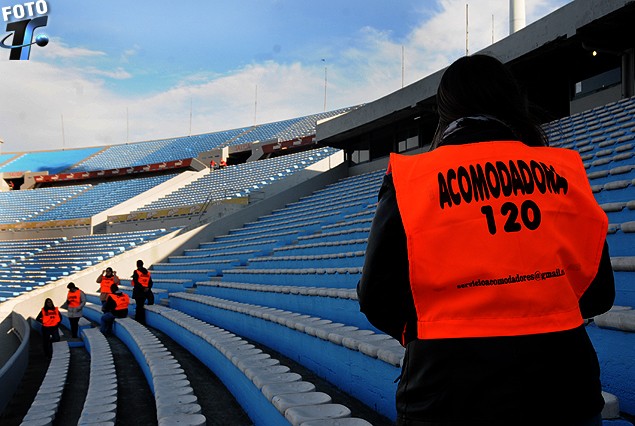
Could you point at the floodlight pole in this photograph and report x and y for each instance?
(467, 23)
(325, 80)
(63, 136)
(402, 64)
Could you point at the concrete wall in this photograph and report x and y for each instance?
(15, 338)
(588, 102)
(25, 234)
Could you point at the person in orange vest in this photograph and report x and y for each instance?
(142, 291)
(485, 255)
(50, 319)
(75, 301)
(223, 163)
(107, 278)
(116, 306)
(212, 165)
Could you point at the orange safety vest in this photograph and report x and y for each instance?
(503, 239)
(106, 283)
(121, 301)
(74, 299)
(51, 317)
(143, 279)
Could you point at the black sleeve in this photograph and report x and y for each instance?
(599, 297)
(384, 289)
(110, 305)
(39, 317)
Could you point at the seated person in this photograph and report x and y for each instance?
(116, 306)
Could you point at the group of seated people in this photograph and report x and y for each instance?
(215, 166)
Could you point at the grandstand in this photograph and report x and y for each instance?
(255, 265)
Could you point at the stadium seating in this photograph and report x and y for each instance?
(18, 206)
(51, 161)
(239, 180)
(6, 157)
(97, 198)
(152, 152)
(287, 280)
(163, 373)
(266, 389)
(48, 398)
(38, 262)
(100, 404)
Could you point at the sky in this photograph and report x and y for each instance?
(118, 71)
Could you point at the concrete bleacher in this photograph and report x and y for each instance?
(341, 354)
(267, 390)
(47, 401)
(175, 400)
(163, 373)
(100, 405)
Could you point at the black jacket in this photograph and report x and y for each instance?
(137, 289)
(498, 380)
(111, 306)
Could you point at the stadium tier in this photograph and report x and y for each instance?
(97, 198)
(239, 180)
(70, 202)
(158, 151)
(152, 152)
(19, 206)
(29, 264)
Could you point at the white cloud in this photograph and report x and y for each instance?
(118, 74)
(57, 49)
(371, 67)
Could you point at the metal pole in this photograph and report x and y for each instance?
(63, 136)
(256, 105)
(402, 64)
(325, 72)
(467, 25)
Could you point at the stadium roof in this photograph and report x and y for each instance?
(547, 57)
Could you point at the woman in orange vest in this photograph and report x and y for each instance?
(107, 278)
(142, 291)
(50, 319)
(484, 257)
(75, 301)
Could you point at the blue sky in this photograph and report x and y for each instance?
(117, 71)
